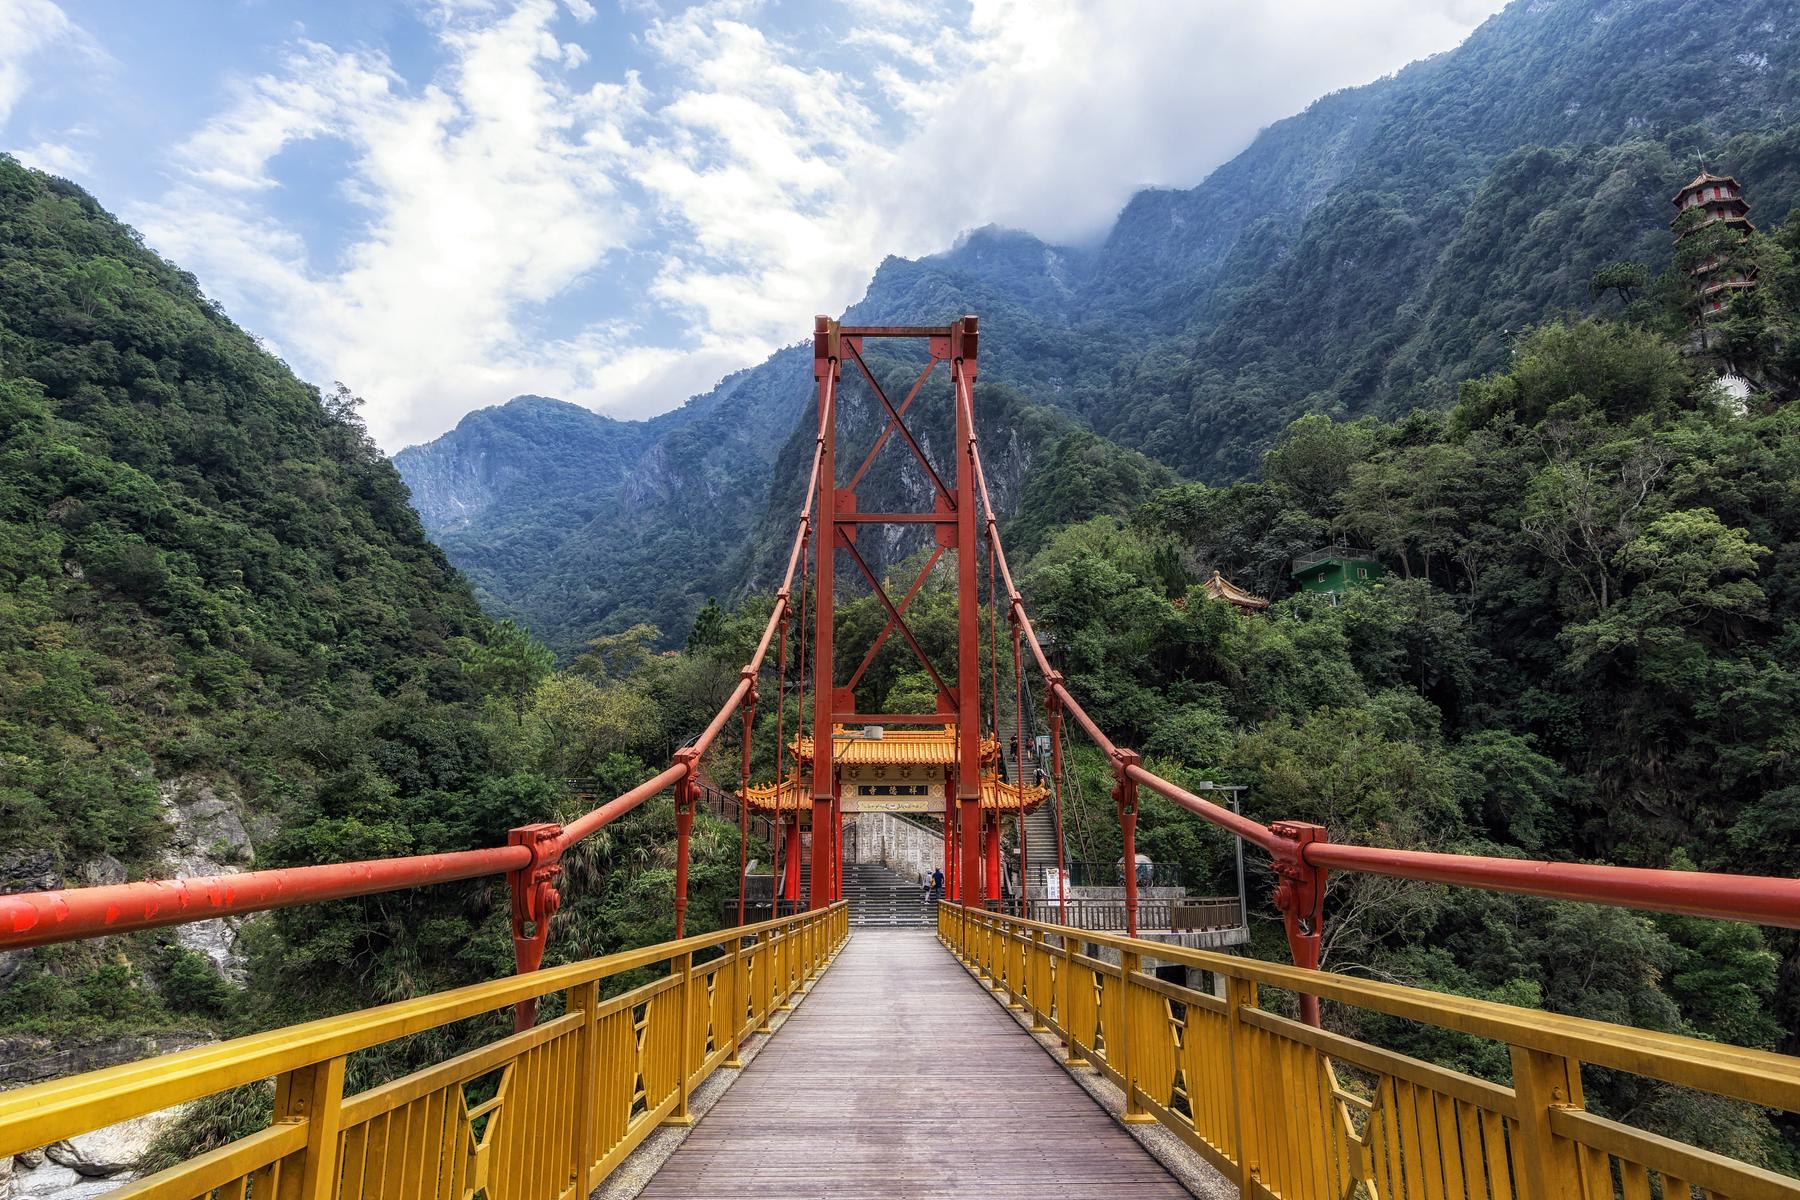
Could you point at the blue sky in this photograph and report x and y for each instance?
(445, 203)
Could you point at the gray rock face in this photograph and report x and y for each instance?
(26, 1060)
(92, 1164)
(29, 871)
(95, 872)
(207, 837)
(81, 1159)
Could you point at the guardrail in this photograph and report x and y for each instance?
(1092, 873)
(1185, 915)
(541, 1114)
(1291, 1111)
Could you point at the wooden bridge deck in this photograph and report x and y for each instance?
(899, 1077)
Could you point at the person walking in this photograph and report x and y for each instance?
(924, 887)
(937, 883)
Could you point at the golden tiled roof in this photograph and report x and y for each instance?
(1221, 588)
(794, 792)
(897, 747)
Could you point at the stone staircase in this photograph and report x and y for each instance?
(1040, 826)
(879, 895)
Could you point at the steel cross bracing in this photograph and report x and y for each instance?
(953, 520)
(828, 520)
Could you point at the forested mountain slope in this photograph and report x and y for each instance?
(1496, 179)
(226, 642)
(1361, 256)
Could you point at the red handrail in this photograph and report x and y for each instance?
(40, 918)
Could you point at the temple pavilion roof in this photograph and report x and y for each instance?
(1221, 588)
(1705, 179)
(926, 747)
(794, 793)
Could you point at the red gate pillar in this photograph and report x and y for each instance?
(837, 851)
(790, 888)
(949, 836)
(826, 369)
(963, 340)
(991, 844)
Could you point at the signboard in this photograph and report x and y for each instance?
(893, 804)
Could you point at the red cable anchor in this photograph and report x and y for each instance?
(1300, 897)
(534, 901)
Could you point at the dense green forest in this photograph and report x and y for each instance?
(1587, 646)
(225, 642)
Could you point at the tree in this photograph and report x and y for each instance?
(1313, 457)
(1623, 279)
(709, 627)
(618, 655)
(509, 664)
(1692, 582)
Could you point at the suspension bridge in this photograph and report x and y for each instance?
(983, 1059)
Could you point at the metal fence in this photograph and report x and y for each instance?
(1184, 915)
(1089, 873)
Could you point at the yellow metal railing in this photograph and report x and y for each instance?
(560, 1105)
(1287, 1110)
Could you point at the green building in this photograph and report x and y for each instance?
(1335, 569)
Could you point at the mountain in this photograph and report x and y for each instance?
(1363, 256)
(575, 523)
(225, 641)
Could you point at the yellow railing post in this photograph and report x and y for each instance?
(585, 999)
(778, 944)
(1129, 1053)
(1240, 994)
(733, 1027)
(313, 1095)
(1036, 973)
(1067, 1001)
(770, 991)
(684, 1056)
(1551, 1165)
(1015, 967)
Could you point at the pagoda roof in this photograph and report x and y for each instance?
(925, 747)
(1704, 179)
(1221, 588)
(1740, 216)
(792, 794)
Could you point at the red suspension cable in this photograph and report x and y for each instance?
(1019, 767)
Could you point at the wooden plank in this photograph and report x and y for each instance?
(900, 1077)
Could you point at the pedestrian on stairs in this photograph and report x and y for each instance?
(924, 886)
(937, 883)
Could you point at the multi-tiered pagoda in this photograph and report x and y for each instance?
(1722, 201)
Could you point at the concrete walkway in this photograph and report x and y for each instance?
(899, 1077)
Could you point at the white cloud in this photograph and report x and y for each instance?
(55, 158)
(761, 177)
(488, 191)
(27, 27)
